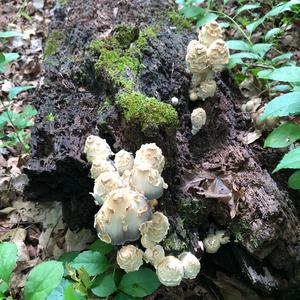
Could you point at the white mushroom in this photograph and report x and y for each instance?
(147, 243)
(121, 216)
(100, 167)
(196, 57)
(130, 258)
(104, 184)
(209, 33)
(150, 154)
(191, 265)
(207, 89)
(154, 255)
(170, 271)
(123, 161)
(198, 119)
(218, 54)
(211, 243)
(223, 238)
(96, 149)
(147, 181)
(156, 229)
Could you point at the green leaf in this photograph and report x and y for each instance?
(283, 136)
(71, 294)
(261, 49)
(285, 105)
(281, 88)
(252, 26)
(101, 247)
(104, 285)
(294, 181)
(139, 283)
(239, 45)
(247, 55)
(8, 259)
(286, 74)
(192, 11)
(42, 279)
(206, 18)
(3, 287)
(18, 89)
(8, 34)
(9, 57)
(69, 256)
(58, 292)
(247, 7)
(94, 262)
(2, 58)
(285, 56)
(122, 296)
(291, 160)
(272, 33)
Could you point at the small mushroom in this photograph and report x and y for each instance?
(196, 57)
(150, 154)
(207, 89)
(218, 54)
(154, 255)
(170, 271)
(123, 161)
(121, 216)
(96, 149)
(130, 258)
(213, 242)
(209, 33)
(191, 265)
(198, 119)
(100, 167)
(156, 229)
(147, 243)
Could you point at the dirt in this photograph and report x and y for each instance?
(202, 171)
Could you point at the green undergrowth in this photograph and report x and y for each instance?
(178, 20)
(120, 58)
(54, 41)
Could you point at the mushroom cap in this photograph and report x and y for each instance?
(123, 161)
(104, 184)
(156, 229)
(96, 149)
(121, 215)
(223, 238)
(191, 265)
(209, 33)
(130, 258)
(147, 181)
(100, 167)
(198, 119)
(154, 255)
(170, 271)
(196, 57)
(207, 89)
(211, 243)
(218, 53)
(150, 154)
(146, 243)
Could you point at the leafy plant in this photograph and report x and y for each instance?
(79, 276)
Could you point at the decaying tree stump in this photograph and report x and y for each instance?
(215, 180)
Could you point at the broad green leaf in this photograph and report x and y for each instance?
(94, 262)
(8, 34)
(192, 11)
(9, 57)
(247, 55)
(18, 89)
(252, 26)
(104, 285)
(291, 160)
(294, 181)
(206, 18)
(281, 88)
(122, 296)
(71, 294)
(2, 58)
(139, 283)
(69, 256)
(58, 292)
(283, 136)
(287, 74)
(285, 56)
(272, 33)
(43, 279)
(3, 287)
(101, 247)
(261, 48)
(8, 259)
(285, 105)
(247, 7)
(84, 278)
(239, 45)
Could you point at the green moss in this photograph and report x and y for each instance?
(148, 111)
(120, 54)
(191, 210)
(174, 244)
(179, 20)
(54, 41)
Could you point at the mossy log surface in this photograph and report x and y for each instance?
(215, 181)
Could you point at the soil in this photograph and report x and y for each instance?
(215, 180)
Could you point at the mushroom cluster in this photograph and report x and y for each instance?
(126, 189)
(204, 57)
(213, 241)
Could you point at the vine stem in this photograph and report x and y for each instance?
(235, 23)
